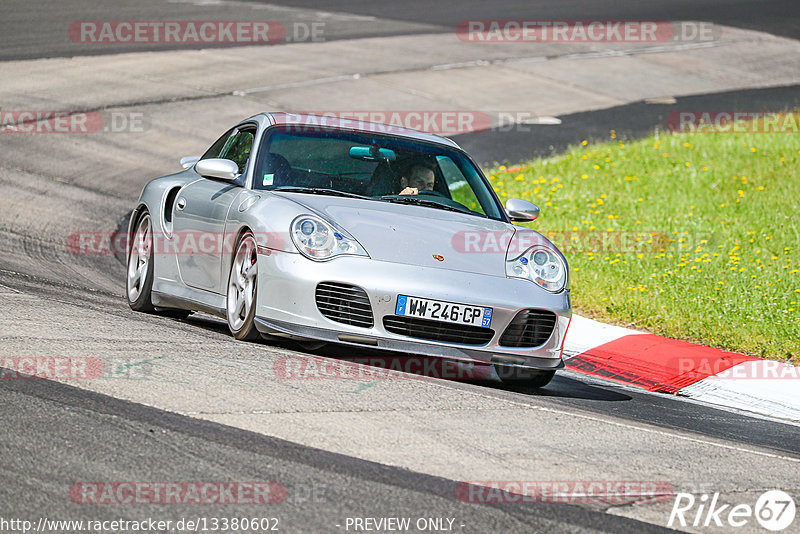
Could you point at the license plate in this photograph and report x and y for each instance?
(448, 312)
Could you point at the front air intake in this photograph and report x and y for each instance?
(530, 328)
(437, 331)
(344, 304)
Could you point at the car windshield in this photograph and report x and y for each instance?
(375, 167)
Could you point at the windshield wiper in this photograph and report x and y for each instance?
(409, 199)
(320, 191)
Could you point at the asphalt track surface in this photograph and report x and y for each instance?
(36, 29)
(630, 121)
(777, 17)
(56, 434)
(93, 435)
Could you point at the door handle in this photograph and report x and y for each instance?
(180, 204)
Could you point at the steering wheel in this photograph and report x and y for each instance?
(431, 193)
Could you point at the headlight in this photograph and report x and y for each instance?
(318, 240)
(541, 265)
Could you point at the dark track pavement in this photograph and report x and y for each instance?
(95, 438)
(38, 28)
(631, 121)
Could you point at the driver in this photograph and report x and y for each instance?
(417, 178)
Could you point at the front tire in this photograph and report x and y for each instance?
(520, 376)
(242, 290)
(139, 284)
(311, 345)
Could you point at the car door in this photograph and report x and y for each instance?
(201, 210)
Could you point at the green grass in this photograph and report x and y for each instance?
(691, 236)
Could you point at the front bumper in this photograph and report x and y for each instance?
(286, 306)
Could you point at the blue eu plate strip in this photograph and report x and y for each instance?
(401, 305)
(487, 317)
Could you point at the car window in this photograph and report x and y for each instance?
(329, 156)
(237, 148)
(378, 166)
(219, 144)
(460, 189)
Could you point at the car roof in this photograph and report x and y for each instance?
(354, 124)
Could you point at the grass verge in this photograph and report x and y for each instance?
(691, 236)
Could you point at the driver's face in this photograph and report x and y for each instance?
(422, 179)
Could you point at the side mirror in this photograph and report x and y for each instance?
(189, 161)
(219, 169)
(521, 210)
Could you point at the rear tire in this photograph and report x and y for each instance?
(517, 376)
(139, 283)
(240, 304)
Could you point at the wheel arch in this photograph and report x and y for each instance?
(134, 218)
(243, 229)
(136, 214)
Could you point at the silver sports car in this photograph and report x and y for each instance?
(332, 230)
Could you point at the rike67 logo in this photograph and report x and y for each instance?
(774, 510)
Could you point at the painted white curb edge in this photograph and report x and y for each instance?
(776, 396)
(585, 334)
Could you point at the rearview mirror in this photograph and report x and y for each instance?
(220, 169)
(372, 153)
(189, 161)
(521, 210)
